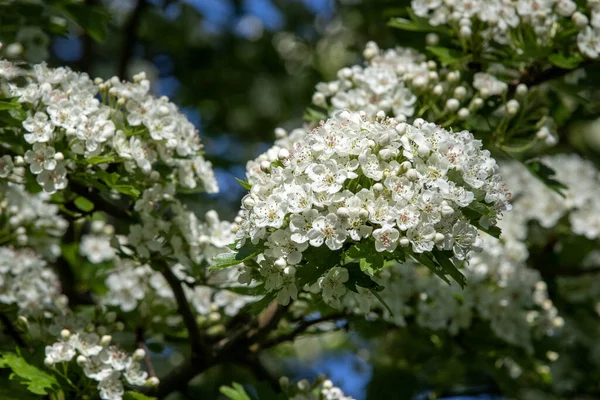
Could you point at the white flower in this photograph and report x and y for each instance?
(332, 286)
(588, 41)
(41, 158)
(484, 81)
(327, 229)
(39, 127)
(6, 166)
(386, 238)
(111, 387)
(53, 180)
(59, 352)
(96, 248)
(421, 237)
(134, 374)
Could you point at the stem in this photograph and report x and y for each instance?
(301, 328)
(141, 342)
(199, 350)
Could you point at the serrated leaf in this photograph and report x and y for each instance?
(36, 380)
(356, 277)
(447, 56)
(443, 259)
(127, 190)
(9, 105)
(545, 174)
(564, 62)
(244, 184)
(100, 160)
(428, 261)
(136, 396)
(83, 204)
(224, 260)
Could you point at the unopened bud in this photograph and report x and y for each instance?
(289, 271)
(465, 32)
(432, 39)
(265, 166)
(460, 92)
(579, 19)
(452, 104)
(404, 242)
(280, 263)
(439, 238)
(342, 212)
(318, 99)
(152, 381)
(438, 90)
(81, 360)
(65, 333)
(512, 107)
(105, 340)
(463, 113)
(521, 90)
(139, 354)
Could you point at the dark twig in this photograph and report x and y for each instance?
(199, 350)
(130, 36)
(568, 271)
(11, 331)
(141, 343)
(100, 202)
(301, 328)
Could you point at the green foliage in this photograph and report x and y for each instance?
(91, 18)
(84, 204)
(245, 253)
(448, 56)
(236, 392)
(244, 184)
(546, 175)
(36, 380)
(136, 396)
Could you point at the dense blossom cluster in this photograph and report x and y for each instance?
(136, 286)
(501, 290)
(73, 125)
(320, 389)
(100, 361)
(535, 201)
(27, 281)
(500, 18)
(404, 84)
(354, 177)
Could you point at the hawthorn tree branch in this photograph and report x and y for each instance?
(130, 36)
(300, 329)
(141, 342)
(199, 350)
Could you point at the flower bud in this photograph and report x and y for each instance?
(81, 360)
(303, 385)
(401, 128)
(290, 271)
(371, 50)
(404, 242)
(139, 354)
(460, 92)
(65, 333)
(280, 263)
(318, 99)
(121, 102)
(453, 76)
(521, 90)
(439, 238)
(432, 39)
(433, 76)
(431, 65)
(484, 92)
(105, 340)
(280, 133)
(542, 133)
(378, 187)
(452, 104)
(579, 19)
(265, 166)
(152, 381)
(512, 107)
(283, 154)
(447, 211)
(438, 90)
(463, 113)
(412, 174)
(380, 114)
(465, 32)
(14, 50)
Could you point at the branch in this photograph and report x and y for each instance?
(130, 36)
(12, 331)
(568, 271)
(141, 342)
(301, 328)
(199, 351)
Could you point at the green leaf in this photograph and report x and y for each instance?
(546, 175)
(314, 115)
(84, 204)
(224, 260)
(383, 303)
(258, 306)
(136, 396)
(428, 261)
(474, 212)
(110, 179)
(561, 61)
(244, 184)
(237, 392)
(92, 19)
(9, 105)
(128, 190)
(443, 258)
(101, 160)
(36, 380)
(356, 277)
(447, 56)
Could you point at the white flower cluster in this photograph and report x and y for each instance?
(354, 177)
(546, 18)
(501, 290)
(28, 282)
(321, 389)
(100, 361)
(96, 124)
(535, 201)
(390, 79)
(29, 220)
(137, 286)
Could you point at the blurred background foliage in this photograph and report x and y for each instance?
(239, 69)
